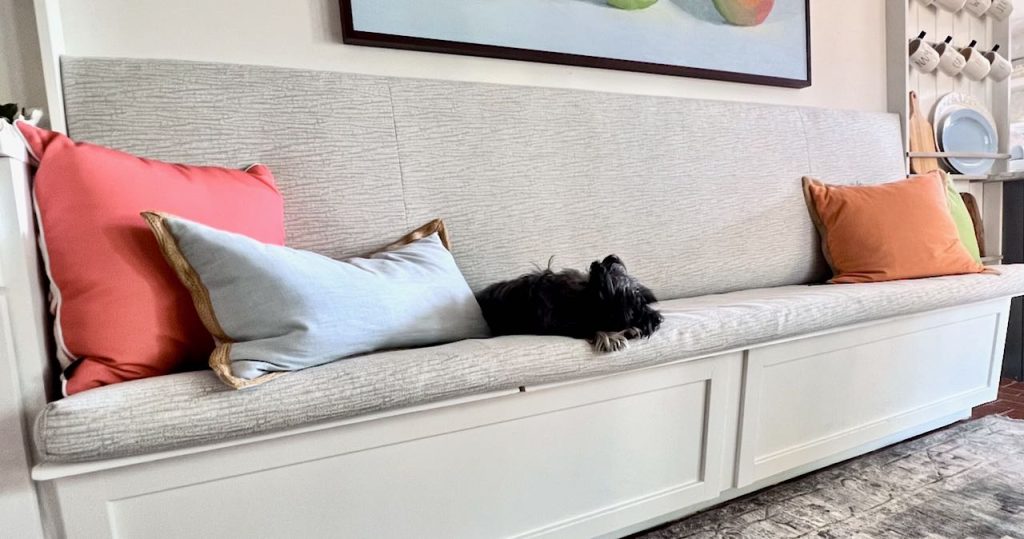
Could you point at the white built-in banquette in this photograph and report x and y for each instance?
(757, 375)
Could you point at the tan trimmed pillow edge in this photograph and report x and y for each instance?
(186, 273)
(219, 359)
(816, 219)
(434, 226)
(220, 363)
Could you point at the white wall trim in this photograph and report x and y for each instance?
(51, 47)
(23, 361)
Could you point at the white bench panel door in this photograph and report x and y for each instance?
(812, 398)
(603, 454)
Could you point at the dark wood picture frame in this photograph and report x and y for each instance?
(351, 36)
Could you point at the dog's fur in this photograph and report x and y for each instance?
(606, 306)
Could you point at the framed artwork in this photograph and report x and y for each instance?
(751, 41)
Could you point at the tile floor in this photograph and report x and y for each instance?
(1009, 403)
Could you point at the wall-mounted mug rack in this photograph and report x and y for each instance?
(951, 27)
(999, 10)
(970, 62)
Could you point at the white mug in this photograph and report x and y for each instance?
(951, 5)
(951, 62)
(977, 66)
(922, 55)
(978, 7)
(1001, 67)
(1001, 9)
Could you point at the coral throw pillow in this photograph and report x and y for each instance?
(898, 230)
(120, 311)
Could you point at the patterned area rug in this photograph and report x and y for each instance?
(964, 481)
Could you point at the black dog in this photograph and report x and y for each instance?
(607, 307)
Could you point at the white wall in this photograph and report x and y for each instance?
(21, 74)
(1017, 30)
(848, 47)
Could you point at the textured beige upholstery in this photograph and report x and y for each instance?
(698, 197)
(194, 408)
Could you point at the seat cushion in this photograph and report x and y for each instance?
(194, 408)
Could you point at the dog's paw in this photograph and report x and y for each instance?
(633, 333)
(610, 342)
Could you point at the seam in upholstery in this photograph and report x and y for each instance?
(807, 142)
(40, 430)
(398, 155)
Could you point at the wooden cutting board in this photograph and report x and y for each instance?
(979, 227)
(922, 138)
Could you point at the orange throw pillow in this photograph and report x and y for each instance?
(898, 230)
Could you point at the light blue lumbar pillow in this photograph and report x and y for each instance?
(275, 309)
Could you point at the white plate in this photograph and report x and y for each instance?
(967, 130)
(951, 103)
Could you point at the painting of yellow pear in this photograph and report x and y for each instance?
(754, 41)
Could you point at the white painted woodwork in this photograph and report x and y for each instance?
(798, 471)
(50, 27)
(596, 457)
(520, 464)
(22, 345)
(866, 383)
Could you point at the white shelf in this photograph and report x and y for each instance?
(1006, 177)
(1002, 177)
(964, 155)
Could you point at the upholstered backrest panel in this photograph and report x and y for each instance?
(329, 138)
(696, 196)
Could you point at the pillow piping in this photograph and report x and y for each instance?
(64, 356)
(220, 358)
(435, 226)
(816, 219)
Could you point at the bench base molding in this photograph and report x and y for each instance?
(598, 457)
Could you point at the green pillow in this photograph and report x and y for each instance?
(962, 218)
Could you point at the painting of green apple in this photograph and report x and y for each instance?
(751, 41)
